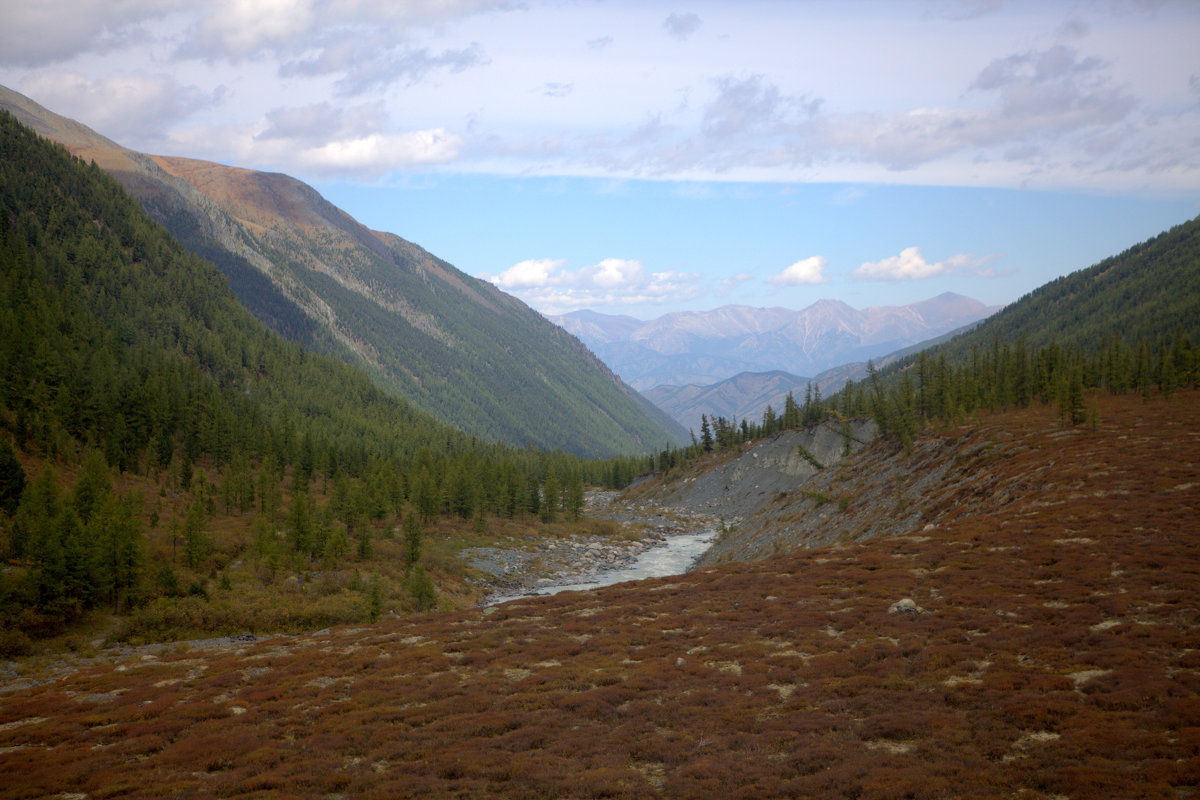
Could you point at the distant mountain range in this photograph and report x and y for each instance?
(748, 394)
(456, 346)
(706, 347)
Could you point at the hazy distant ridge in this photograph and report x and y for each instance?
(706, 347)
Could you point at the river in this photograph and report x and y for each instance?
(673, 556)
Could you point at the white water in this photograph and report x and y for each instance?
(672, 557)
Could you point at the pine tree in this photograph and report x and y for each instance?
(412, 541)
(552, 499)
(420, 587)
(195, 538)
(791, 413)
(12, 478)
(115, 528)
(38, 508)
(92, 486)
(575, 494)
(1071, 403)
(425, 494)
(374, 597)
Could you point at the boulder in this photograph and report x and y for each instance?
(905, 606)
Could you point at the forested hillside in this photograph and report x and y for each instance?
(1150, 291)
(1128, 324)
(455, 346)
(125, 358)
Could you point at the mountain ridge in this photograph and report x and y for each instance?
(747, 395)
(454, 345)
(706, 347)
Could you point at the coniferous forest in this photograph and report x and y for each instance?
(126, 360)
(162, 453)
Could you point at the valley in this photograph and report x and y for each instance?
(1048, 649)
(290, 507)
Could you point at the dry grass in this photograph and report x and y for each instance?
(1059, 656)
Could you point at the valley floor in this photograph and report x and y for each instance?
(1049, 648)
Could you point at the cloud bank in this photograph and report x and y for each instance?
(546, 284)
(1029, 95)
(806, 272)
(911, 265)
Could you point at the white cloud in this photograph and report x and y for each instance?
(45, 31)
(119, 106)
(614, 272)
(379, 152)
(413, 13)
(547, 286)
(354, 140)
(529, 274)
(681, 26)
(807, 271)
(240, 28)
(741, 105)
(329, 33)
(911, 265)
(1098, 99)
(732, 282)
(556, 89)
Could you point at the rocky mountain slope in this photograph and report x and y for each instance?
(705, 347)
(1035, 636)
(456, 346)
(745, 395)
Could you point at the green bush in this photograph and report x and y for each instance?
(14, 644)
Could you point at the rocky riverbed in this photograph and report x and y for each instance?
(579, 560)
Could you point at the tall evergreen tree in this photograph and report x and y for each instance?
(12, 478)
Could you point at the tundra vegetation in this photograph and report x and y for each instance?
(1050, 650)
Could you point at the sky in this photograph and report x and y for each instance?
(642, 157)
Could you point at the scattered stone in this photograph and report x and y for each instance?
(905, 606)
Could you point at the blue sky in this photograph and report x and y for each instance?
(648, 157)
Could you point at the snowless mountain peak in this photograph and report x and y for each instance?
(705, 347)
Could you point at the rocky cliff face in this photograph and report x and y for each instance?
(737, 487)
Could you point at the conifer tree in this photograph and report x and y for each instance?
(118, 534)
(92, 486)
(195, 538)
(575, 494)
(412, 541)
(374, 597)
(420, 587)
(39, 506)
(553, 498)
(12, 478)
